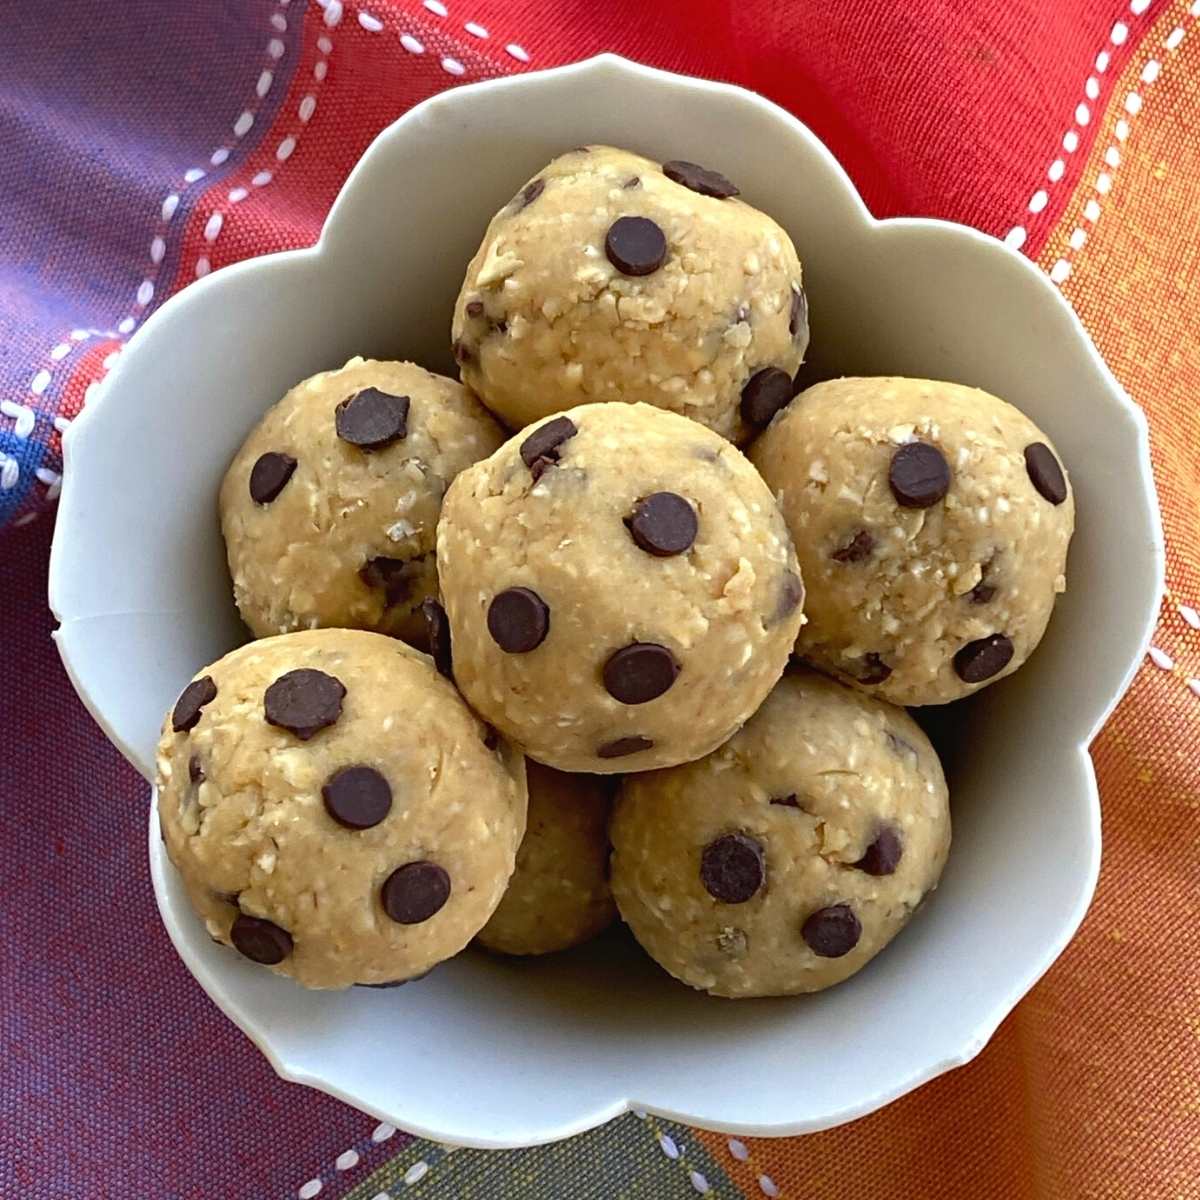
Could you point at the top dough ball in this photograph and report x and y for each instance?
(610, 277)
(931, 522)
(620, 586)
(329, 509)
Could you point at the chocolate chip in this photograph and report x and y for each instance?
(635, 246)
(622, 747)
(833, 931)
(765, 393)
(372, 419)
(500, 326)
(195, 769)
(357, 797)
(462, 352)
(632, 182)
(269, 476)
(393, 575)
(304, 702)
(899, 745)
(981, 593)
(788, 801)
(919, 475)
(260, 941)
(981, 659)
(882, 856)
(873, 669)
(191, 700)
(640, 672)
(857, 549)
(732, 868)
(791, 595)
(1045, 473)
(542, 448)
(491, 739)
(437, 624)
(474, 309)
(699, 179)
(518, 620)
(663, 524)
(531, 191)
(415, 891)
(580, 150)
(798, 314)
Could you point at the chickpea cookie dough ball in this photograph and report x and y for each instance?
(786, 860)
(330, 507)
(931, 521)
(559, 894)
(610, 277)
(336, 811)
(621, 589)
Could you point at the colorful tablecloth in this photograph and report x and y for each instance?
(143, 144)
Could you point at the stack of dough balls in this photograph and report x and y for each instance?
(545, 646)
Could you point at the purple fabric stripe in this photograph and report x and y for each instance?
(75, 166)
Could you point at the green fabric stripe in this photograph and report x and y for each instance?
(623, 1160)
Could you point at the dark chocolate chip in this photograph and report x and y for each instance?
(304, 702)
(195, 769)
(1045, 473)
(873, 669)
(500, 326)
(622, 747)
(798, 313)
(191, 700)
(415, 891)
(640, 672)
(392, 575)
(699, 179)
(663, 524)
(857, 549)
(833, 931)
(372, 419)
(765, 393)
(531, 191)
(882, 856)
(491, 739)
(732, 868)
(462, 352)
(581, 150)
(791, 595)
(543, 447)
(788, 801)
(437, 624)
(518, 620)
(357, 797)
(632, 182)
(474, 309)
(635, 246)
(981, 659)
(260, 941)
(269, 476)
(919, 475)
(982, 592)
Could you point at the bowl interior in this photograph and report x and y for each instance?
(490, 1052)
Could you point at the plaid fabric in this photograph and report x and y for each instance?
(143, 144)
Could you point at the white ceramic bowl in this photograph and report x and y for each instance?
(492, 1053)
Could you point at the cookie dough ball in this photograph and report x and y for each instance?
(610, 277)
(559, 894)
(788, 859)
(932, 523)
(330, 507)
(621, 589)
(334, 807)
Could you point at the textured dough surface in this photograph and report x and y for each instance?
(559, 894)
(728, 609)
(854, 765)
(296, 561)
(254, 837)
(987, 559)
(558, 325)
